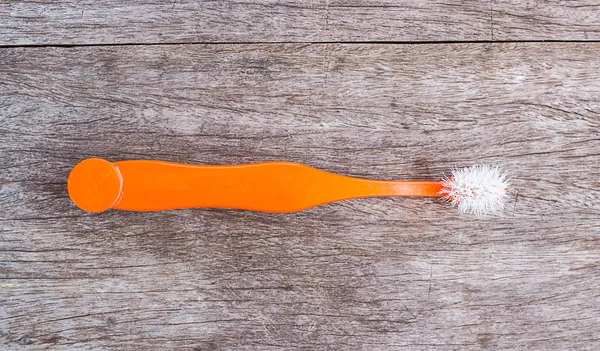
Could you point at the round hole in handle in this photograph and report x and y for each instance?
(95, 185)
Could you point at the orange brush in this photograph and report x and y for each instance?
(96, 185)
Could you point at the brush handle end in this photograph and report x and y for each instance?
(95, 185)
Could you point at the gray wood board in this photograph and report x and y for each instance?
(187, 21)
(113, 21)
(546, 20)
(370, 274)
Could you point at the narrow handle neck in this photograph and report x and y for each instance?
(399, 188)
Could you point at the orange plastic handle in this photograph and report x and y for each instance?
(96, 185)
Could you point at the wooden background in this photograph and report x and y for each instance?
(379, 89)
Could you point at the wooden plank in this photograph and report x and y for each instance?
(546, 20)
(187, 21)
(366, 274)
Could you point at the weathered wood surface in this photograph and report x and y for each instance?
(372, 274)
(186, 21)
(545, 20)
(113, 21)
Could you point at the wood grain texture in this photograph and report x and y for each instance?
(372, 274)
(546, 20)
(187, 21)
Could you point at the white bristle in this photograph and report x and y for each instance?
(478, 189)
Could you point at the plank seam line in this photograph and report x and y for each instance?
(375, 42)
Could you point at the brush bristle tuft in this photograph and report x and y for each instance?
(478, 190)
